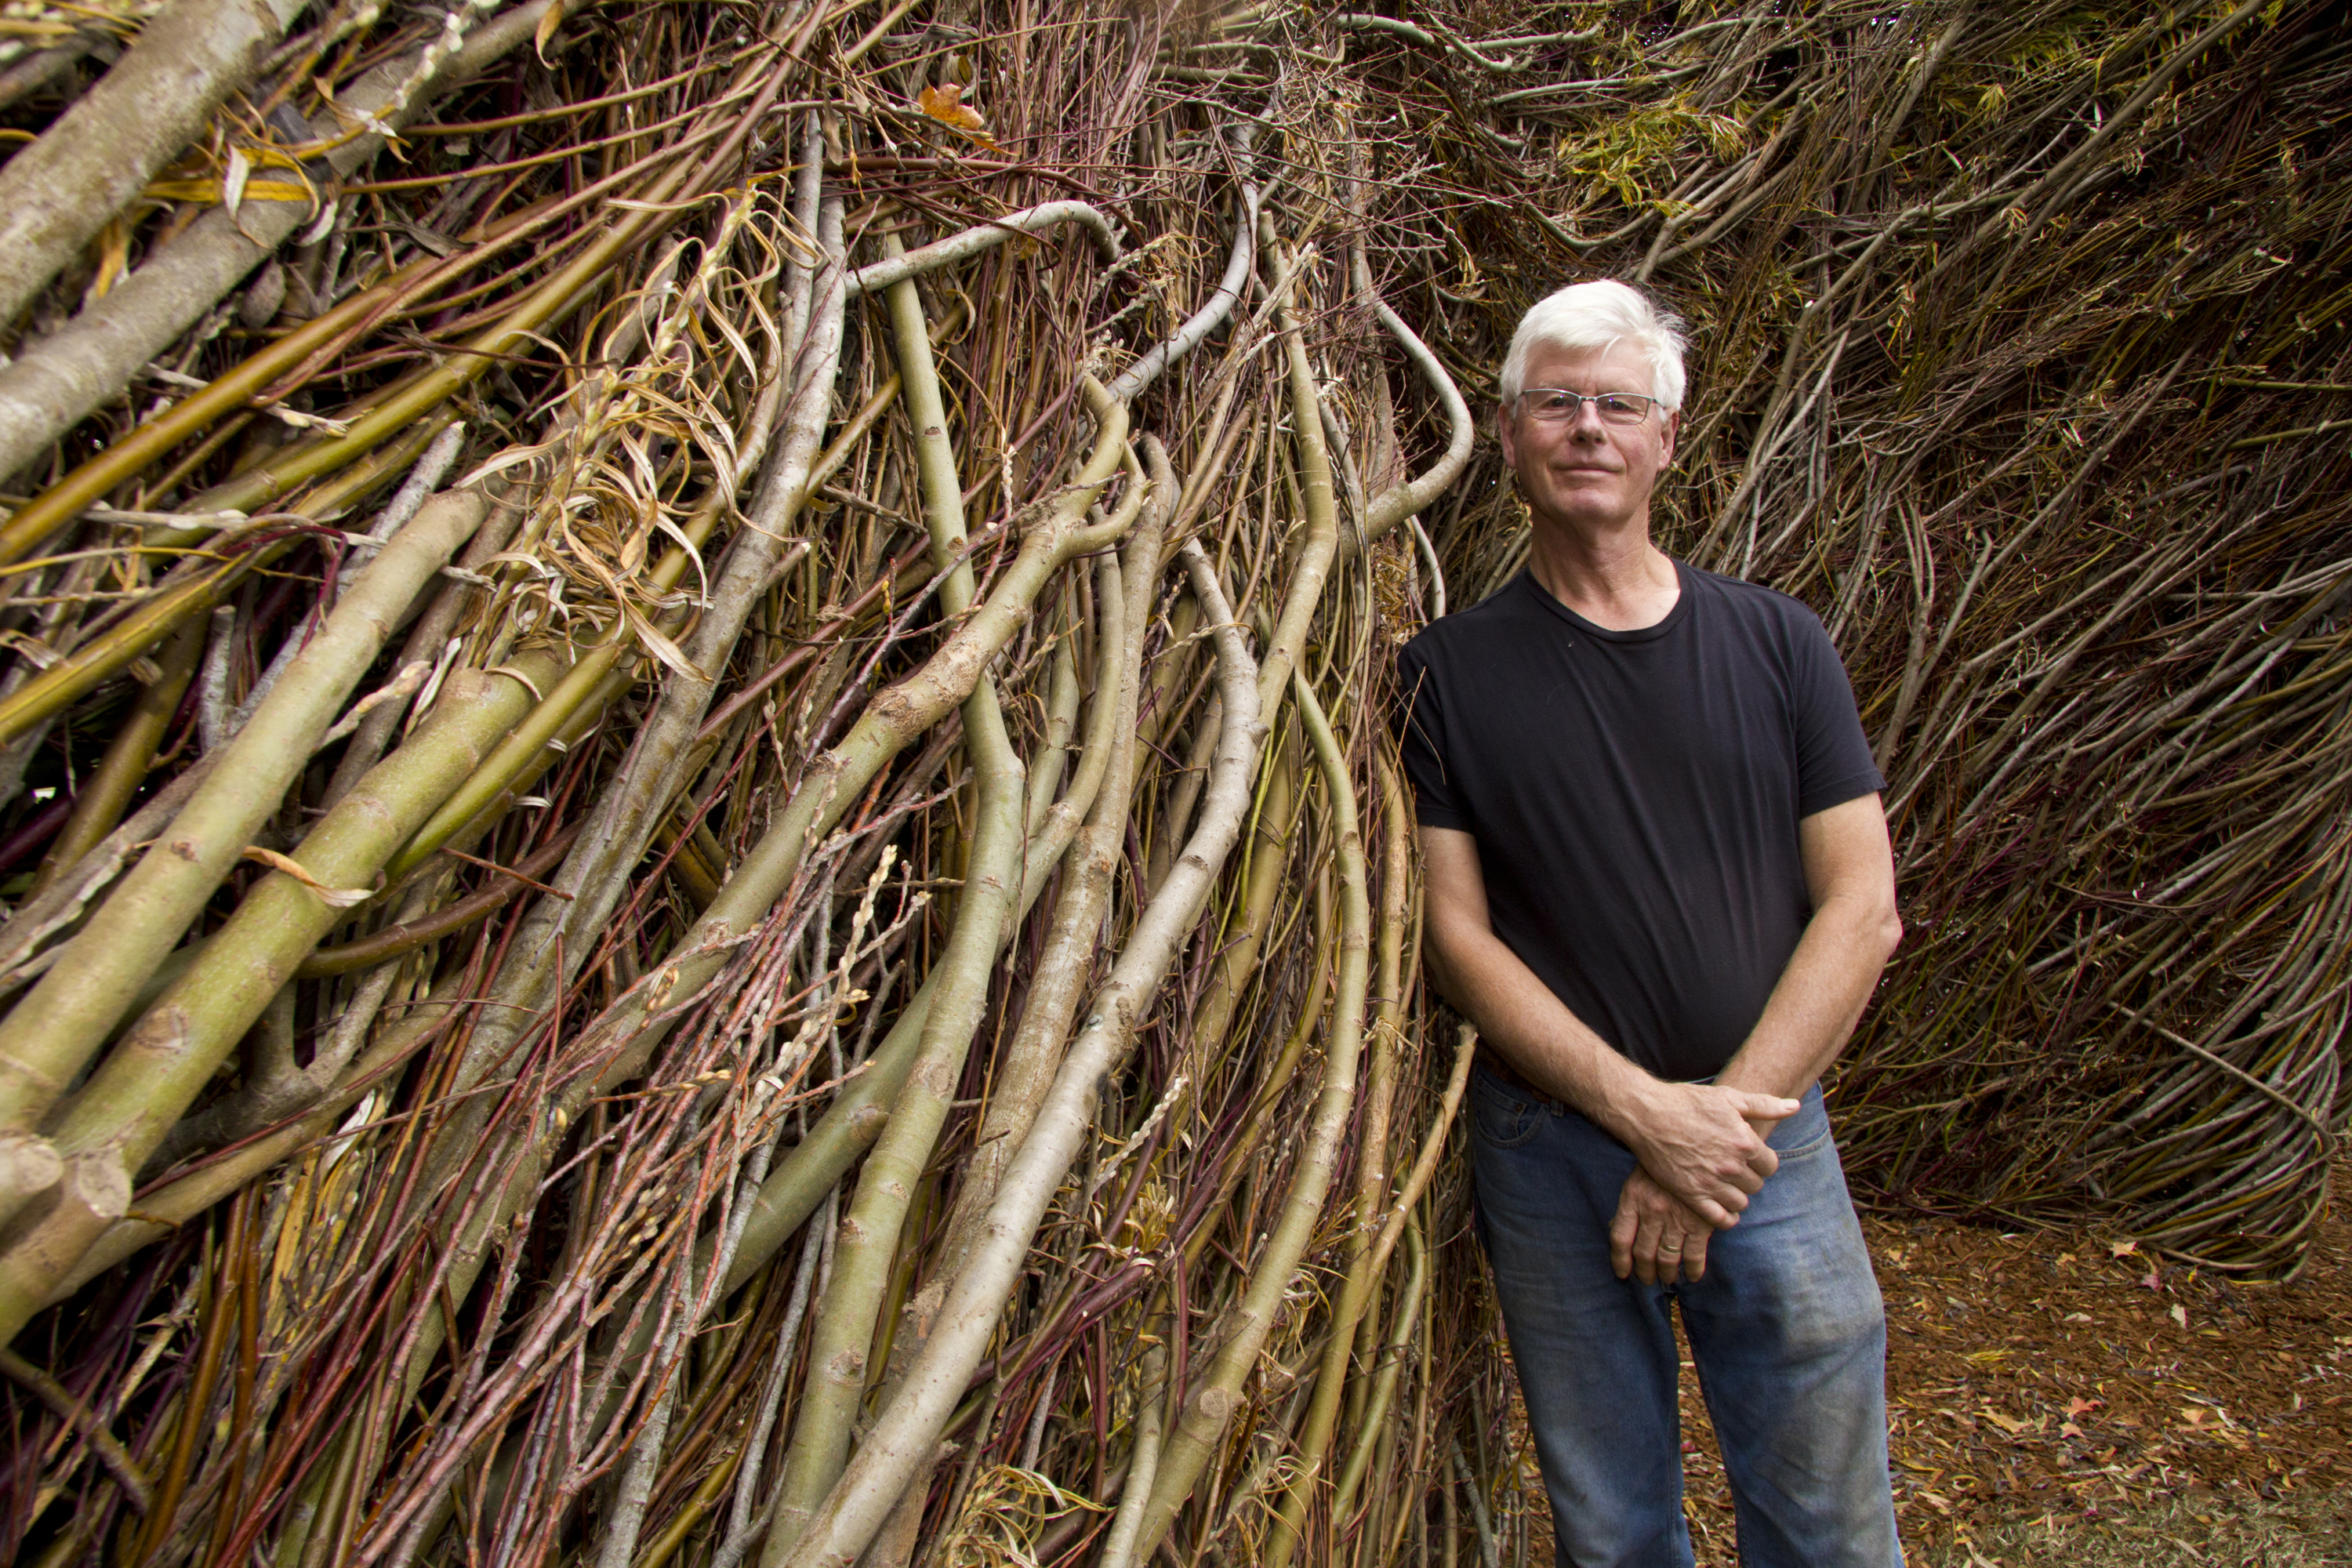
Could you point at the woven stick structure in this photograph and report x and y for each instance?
(702, 854)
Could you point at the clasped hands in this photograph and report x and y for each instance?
(1702, 1154)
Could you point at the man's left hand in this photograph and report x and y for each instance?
(1654, 1237)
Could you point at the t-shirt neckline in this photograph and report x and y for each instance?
(1671, 619)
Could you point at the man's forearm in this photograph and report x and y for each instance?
(1699, 1141)
(1518, 1015)
(1703, 1142)
(1818, 999)
(1827, 982)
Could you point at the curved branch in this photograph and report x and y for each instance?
(1199, 1431)
(856, 1118)
(836, 1381)
(985, 238)
(907, 1431)
(1408, 498)
(1208, 317)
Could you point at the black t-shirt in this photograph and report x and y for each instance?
(1635, 797)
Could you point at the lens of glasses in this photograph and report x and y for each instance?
(1614, 407)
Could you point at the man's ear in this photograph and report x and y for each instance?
(1673, 427)
(1509, 436)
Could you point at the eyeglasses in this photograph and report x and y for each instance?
(1554, 404)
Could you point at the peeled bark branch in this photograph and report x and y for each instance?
(52, 1034)
(974, 242)
(56, 195)
(56, 383)
(1201, 1429)
(907, 1431)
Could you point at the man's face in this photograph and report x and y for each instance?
(1584, 473)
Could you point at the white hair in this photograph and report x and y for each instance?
(1592, 318)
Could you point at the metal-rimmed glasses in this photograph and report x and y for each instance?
(1555, 404)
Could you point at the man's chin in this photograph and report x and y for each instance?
(1588, 509)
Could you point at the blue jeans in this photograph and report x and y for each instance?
(1786, 1330)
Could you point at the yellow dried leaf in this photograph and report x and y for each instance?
(550, 19)
(945, 103)
(207, 192)
(114, 259)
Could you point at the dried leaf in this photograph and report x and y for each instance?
(406, 684)
(437, 243)
(661, 646)
(334, 898)
(114, 259)
(240, 169)
(319, 226)
(945, 104)
(207, 192)
(550, 19)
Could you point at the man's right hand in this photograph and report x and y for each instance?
(1703, 1144)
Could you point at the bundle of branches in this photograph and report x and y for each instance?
(2021, 356)
(706, 860)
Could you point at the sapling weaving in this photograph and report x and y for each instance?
(817, 961)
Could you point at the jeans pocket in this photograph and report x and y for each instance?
(1805, 1134)
(1811, 1147)
(1503, 1118)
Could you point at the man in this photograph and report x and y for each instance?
(1659, 883)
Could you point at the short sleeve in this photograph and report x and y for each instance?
(1421, 737)
(1834, 761)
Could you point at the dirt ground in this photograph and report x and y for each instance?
(2063, 1397)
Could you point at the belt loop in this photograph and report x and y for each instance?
(1494, 1062)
